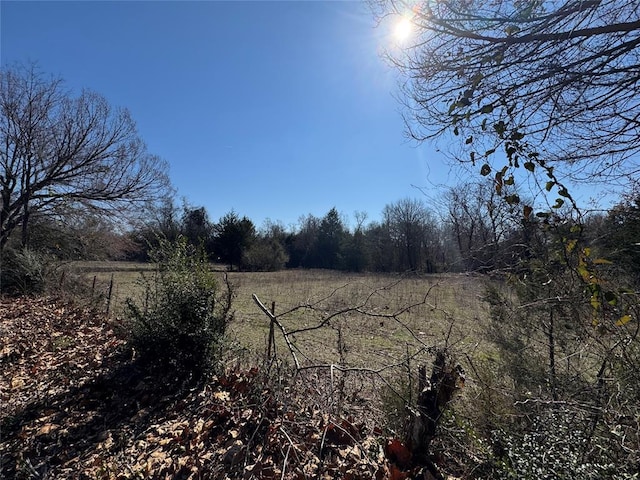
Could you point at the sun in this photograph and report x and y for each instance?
(403, 29)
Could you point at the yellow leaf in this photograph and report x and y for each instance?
(623, 320)
(584, 273)
(602, 261)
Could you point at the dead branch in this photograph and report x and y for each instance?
(275, 321)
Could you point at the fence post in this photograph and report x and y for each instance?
(109, 294)
(271, 347)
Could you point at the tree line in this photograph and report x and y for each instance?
(469, 229)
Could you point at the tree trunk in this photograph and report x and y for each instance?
(434, 395)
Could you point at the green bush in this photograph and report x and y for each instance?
(23, 271)
(265, 256)
(180, 322)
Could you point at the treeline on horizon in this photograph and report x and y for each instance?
(472, 231)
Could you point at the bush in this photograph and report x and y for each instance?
(180, 325)
(556, 446)
(265, 256)
(24, 271)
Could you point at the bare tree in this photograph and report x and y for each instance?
(413, 232)
(480, 223)
(59, 153)
(549, 83)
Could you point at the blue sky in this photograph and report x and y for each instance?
(273, 109)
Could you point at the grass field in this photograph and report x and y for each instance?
(360, 320)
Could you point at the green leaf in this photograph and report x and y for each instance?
(489, 152)
(456, 131)
(563, 192)
(549, 186)
(485, 170)
(487, 109)
(512, 199)
(530, 166)
(468, 140)
(559, 203)
(510, 180)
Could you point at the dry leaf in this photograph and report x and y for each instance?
(47, 429)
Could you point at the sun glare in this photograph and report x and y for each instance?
(403, 29)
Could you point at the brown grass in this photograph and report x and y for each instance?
(361, 320)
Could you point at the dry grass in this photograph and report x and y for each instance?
(360, 320)
(373, 326)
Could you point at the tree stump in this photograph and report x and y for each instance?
(435, 394)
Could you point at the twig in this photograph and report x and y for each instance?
(324, 435)
(246, 457)
(284, 464)
(275, 320)
(286, 456)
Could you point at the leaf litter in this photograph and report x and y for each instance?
(75, 405)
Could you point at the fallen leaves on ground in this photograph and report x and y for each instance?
(74, 405)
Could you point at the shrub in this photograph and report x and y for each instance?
(180, 324)
(24, 271)
(556, 446)
(265, 255)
